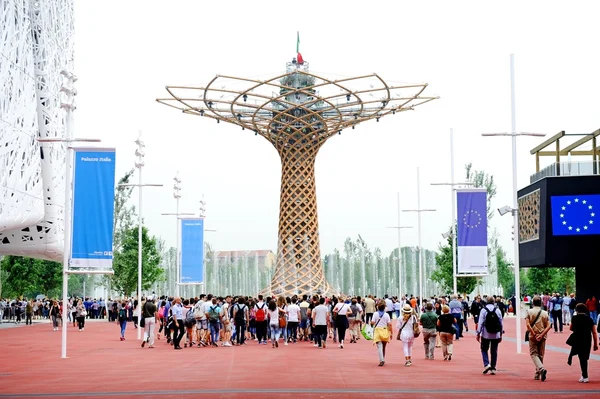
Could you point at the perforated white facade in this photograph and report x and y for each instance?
(36, 44)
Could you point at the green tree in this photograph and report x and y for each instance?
(125, 262)
(27, 276)
(541, 279)
(443, 274)
(124, 214)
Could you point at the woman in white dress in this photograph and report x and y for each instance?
(405, 327)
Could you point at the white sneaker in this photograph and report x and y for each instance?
(584, 380)
(286, 344)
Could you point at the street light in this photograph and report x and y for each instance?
(513, 134)
(69, 106)
(177, 196)
(399, 227)
(419, 211)
(139, 152)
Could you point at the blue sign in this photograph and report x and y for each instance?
(471, 227)
(575, 215)
(192, 251)
(93, 208)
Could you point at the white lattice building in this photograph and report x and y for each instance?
(36, 44)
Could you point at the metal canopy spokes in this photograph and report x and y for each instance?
(296, 98)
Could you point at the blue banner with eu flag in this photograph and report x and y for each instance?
(93, 207)
(575, 215)
(471, 227)
(192, 250)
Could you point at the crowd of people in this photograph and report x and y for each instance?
(211, 321)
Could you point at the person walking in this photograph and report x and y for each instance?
(240, 315)
(592, 307)
(537, 323)
(341, 311)
(55, 315)
(382, 331)
(80, 313)
(446, 328)
(179, 327)
(369, 308)
(320, 320)
(489, 334)
(456, 308)
(122, 319)
(556, 303)
(580, 341)
(261, 321)
(429, 322)
(273, 315)
(149, 314)
(405, 326)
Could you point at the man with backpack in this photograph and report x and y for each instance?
(240, 315)
(214, 321)
(304, 322)
(489, 334)
(261, 321)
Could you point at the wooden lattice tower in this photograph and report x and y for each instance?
(297, 112)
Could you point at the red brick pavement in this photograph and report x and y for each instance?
(101, 365)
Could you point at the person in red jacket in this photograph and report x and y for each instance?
(592, 306)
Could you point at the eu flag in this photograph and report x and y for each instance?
(472, 218)
(575, 215)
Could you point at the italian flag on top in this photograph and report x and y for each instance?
(300, 59)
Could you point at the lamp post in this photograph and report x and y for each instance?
(452, 184)
(419, 211)
(139, 152)
(177, 214)
(399, 227)
(202, 214)
(69, 106)
(513, 134)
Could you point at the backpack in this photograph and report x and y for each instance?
(213, 314)
(260, 313)
(303, 313)
(492, 322)
(122, 315)
(354, 310)
(239, 314)
(198, 311)
(190, 320)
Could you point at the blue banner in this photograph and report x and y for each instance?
(575, 215)
(93, 208)
(472, 230)
(192, 250)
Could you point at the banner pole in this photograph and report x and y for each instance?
(67, 247)
(515, 203)
(68, 106)
(140, 247)
(454, 269)
(419, 233)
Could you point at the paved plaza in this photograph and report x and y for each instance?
(99, 365)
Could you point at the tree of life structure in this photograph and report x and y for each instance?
(297, 112)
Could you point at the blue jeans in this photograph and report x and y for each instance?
(275, 332)
(123, 327)
(397, 313)
(492, 346)
(458, 324)
(214, 332)
(594, 316)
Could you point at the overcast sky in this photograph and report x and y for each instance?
(128, 51)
